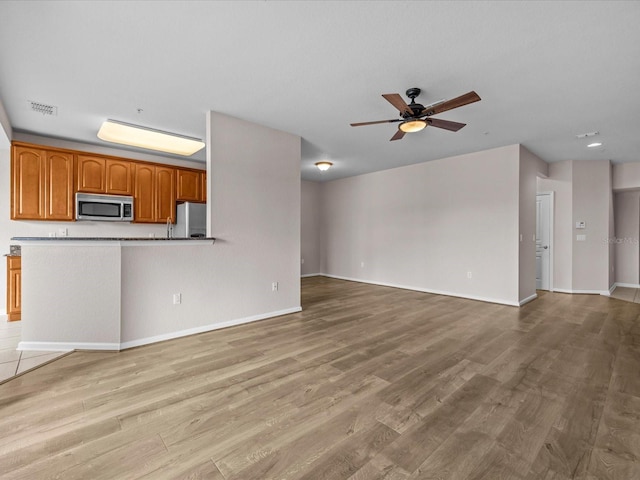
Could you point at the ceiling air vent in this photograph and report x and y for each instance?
(43, 108)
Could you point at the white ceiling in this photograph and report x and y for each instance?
(546, 72)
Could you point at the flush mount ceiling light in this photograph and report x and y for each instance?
(411, 126)
(324, 166)
(143, 137)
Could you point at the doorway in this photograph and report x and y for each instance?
(544, 240)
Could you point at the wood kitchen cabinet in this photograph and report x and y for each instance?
(44, 181)
(154, 194)
(41, 184)
(203, 186)
(14, 283)
(105, 175)
(190, 185)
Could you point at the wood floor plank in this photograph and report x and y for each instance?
(366, 383)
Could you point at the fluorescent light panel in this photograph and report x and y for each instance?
(142, 137)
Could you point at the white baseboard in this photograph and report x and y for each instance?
(428, 290)
(625, 285)
(583, 292)
(205, 328)
(529, 299)
(67, 346)
(310, 275)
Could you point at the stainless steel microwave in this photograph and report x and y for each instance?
(110, 208)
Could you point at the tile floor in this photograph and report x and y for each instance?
(14, 362)
(628, 294)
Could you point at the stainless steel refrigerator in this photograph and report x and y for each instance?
(191, 220)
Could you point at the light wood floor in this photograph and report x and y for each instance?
(366, 383)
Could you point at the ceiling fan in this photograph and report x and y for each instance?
(415, 117)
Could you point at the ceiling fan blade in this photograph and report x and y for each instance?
(465, 99)
(446, 124)
(373, 123)
(398, 136)
(397, 101)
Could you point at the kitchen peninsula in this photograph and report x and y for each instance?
(94, 293)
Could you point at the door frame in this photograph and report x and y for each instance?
(551, 234)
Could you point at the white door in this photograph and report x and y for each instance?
(543, 241)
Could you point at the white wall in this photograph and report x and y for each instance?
(591, 204)
(71, 295)
(425, 226)
(583, 192)
(627, 234)
(6, 132)
(310, 207)
(254, 207)
(560, 181)
(531, 167)
(626, 176)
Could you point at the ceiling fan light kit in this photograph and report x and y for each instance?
(415, 117)
(411, 126)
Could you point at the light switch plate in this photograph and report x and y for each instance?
(581, 225)
(581, 238)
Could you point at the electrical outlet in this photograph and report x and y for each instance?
(469, 275)
(63, 232)
(177, 298)
(274, 287)
(361, 264)
(302, 261)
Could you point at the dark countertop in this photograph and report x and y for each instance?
(110, 239)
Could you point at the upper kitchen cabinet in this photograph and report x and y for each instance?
(105, 175)
(41, 184)
(154, 193)
(189, 185)
(203, 186)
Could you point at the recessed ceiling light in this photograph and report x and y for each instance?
(594, 144)
(143, 137)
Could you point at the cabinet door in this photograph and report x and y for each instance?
(59, 187)
(14, 283)
(144, 210)
(91, 174)
(203, 186)
(189, 185)
(28, 184)
(119, 177)
(165, 194)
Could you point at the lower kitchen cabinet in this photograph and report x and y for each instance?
(14, 282)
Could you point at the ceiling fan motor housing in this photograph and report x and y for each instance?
(416, 108)
(413, 93)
